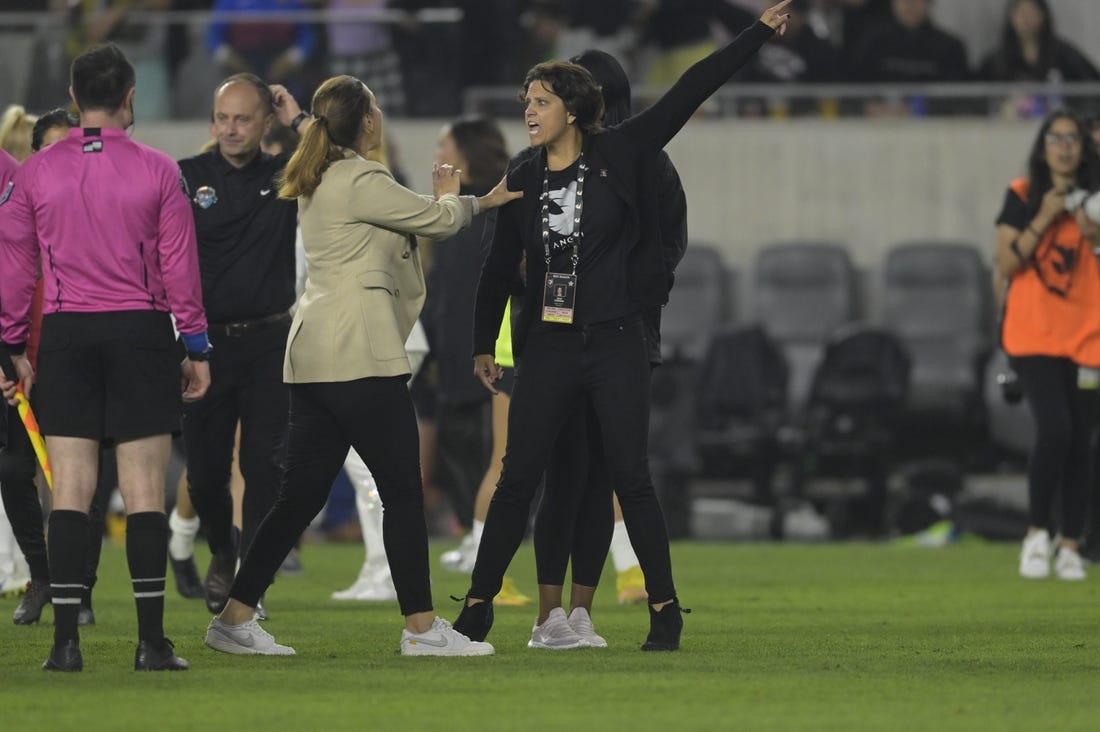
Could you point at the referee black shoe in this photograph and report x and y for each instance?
(152, 656)
(475, 621)
(186, 575)
(219, 575)
(30, 607)
(65, 657)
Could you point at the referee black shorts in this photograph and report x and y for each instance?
(111, 376)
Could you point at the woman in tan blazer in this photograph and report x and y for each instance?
(346, 363)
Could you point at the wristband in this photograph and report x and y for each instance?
(299, 119)
(195, 342)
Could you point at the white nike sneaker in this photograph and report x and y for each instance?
(442, 640)
(246, 639)
(461, 559)
(581, 623)
(555, 634)
(1069, 565)
(1035, 556)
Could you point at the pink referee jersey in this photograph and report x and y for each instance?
(114, 229)
(8, 166)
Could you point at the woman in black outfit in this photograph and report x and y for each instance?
(576, 516)
(590, 277)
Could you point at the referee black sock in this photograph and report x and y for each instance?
(67, 541)
(147, 555)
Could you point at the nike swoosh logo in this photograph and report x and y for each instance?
(438, 642)
(244, 639)
(265, 191)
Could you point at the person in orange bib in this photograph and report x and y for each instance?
(1051, 332)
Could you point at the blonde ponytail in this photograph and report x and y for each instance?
(339, 106)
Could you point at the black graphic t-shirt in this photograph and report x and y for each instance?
(602, 248)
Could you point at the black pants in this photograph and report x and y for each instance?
(609, 364)
(465, 443)
(376, 417)
(246, 374)
(576, 516)
(1061, 461)
(18, 466)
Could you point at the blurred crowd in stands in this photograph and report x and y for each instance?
(421, 56)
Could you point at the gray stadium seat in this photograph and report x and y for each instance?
(801, 292)
(698, 304)
(937, 299)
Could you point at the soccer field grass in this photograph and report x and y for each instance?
(832, 637)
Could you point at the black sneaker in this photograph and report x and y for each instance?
(187, 578)
(475, 621)
(665, 627)
(151, 656)
(30, 607)
(219, 576)
(65, 657)
(86, 616)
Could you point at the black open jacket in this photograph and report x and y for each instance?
(628, 152)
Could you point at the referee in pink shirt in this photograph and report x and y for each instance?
(117, 241)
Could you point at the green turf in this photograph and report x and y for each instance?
(836, 637)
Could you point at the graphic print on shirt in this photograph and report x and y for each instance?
(561, 207)
(7, 192)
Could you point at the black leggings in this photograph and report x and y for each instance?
(610, 365)
(576, 516)
(1061, 461)
(375, 416)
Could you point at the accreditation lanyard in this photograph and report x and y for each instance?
(560, 289)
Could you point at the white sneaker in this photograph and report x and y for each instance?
(581, 623)
(246, 639)
(461, 559)
(1035, 556)
(1069, 566)
(442, 640)
(555, 634)
(373, 585)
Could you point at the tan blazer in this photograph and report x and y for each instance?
(364, 283)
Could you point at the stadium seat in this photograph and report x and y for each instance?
(850, 422)
(741, 407)
(937, 299)
(801, 292)
(698, 304)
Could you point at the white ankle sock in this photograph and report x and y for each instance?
(182, 544)
(622, 553)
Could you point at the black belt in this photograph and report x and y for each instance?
(244, 327)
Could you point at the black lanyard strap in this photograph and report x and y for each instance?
(581, 168)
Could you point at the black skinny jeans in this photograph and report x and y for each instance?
(375, 416)
(246, 385)
(1061, 461)
(610, 364)
(576, 516)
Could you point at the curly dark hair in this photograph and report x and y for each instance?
(577, 88)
